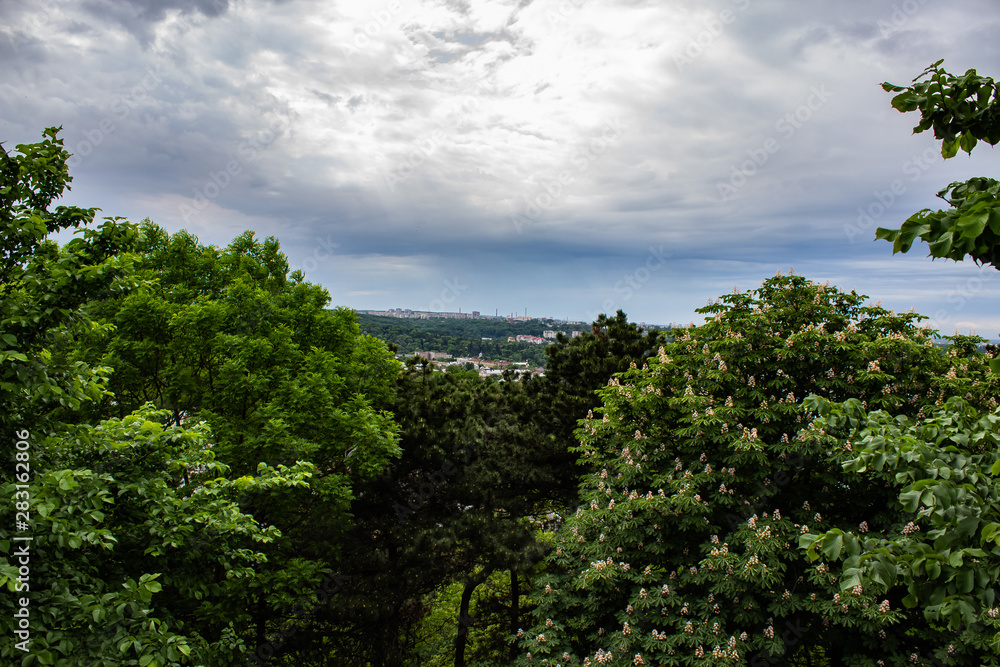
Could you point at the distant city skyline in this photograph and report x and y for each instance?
(473, 314)
(403, 312)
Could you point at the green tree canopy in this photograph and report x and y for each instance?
(227, 337)
(703, 472)
(116, 510)
(962, 111)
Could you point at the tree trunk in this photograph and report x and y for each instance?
(515, 599)
(464, 620)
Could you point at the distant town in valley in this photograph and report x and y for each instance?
(406, 313)
(460, 341)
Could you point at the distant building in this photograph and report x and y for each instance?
(521, 338)
(432, 355)
(551, 335)
(576, 334)
(419, 314)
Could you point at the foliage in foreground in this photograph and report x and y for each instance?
(962, 111)
(176, 403)
(705, 470)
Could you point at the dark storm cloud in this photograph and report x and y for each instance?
(140, 16)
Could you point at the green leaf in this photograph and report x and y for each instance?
(965, 581)
(949, 148)
(967, 142)
(831, 547)
(972, 225)
(910, 500)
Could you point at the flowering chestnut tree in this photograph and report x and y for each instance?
(704, 470)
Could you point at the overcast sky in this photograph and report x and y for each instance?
(568, 158)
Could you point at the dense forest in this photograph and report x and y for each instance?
(457, 338)
(485, 338)
(209, 465)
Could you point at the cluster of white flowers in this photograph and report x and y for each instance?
(720, 653)
(601, 565)
(721, 551)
